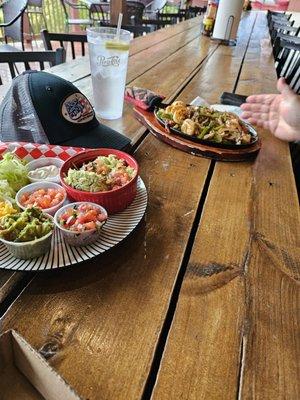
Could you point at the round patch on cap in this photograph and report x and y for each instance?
(77, 109)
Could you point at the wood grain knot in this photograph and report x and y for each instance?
(48, 350)
(261, 239)
(208, 270)
(284, 259)
(206, 278)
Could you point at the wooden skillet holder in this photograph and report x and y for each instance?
(149, 120)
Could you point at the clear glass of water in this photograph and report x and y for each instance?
(108, 59)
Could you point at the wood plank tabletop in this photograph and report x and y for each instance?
(238, 304)
(165, 42)
(202, 300)
(173, 34)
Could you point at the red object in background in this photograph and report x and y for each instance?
(281, 5)
(142, 98)
(113, 201)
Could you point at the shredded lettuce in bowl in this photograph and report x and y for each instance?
(83, 180)
(6, 192)
(14, 172)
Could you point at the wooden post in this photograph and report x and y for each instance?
(75, 15)
(26, 29)
(116, 7)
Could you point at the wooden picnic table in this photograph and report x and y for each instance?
(202, 300)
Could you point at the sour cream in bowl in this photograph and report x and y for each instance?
(45, 169)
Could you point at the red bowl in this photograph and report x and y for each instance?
(113, 201)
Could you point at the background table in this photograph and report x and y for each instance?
(202, 300)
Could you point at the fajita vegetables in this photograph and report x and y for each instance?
(205, 123)
(25, 226)
(102, 174)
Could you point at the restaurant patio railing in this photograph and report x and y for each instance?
(55, 18)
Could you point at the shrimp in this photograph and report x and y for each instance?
(180, 114)
(175, 106)
(178, 103)
(188, 127)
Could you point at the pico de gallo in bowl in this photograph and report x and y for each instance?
(48, 196)
(82, 217)
(107, 177)
(80, 223)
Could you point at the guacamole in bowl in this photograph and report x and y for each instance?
(27, 234)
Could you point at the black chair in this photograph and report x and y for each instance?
(171, 18)
(286, 55)
(282, 47)
(277, 15)
(135, 12)
(193, 12)
(137, 30)
(100, 13)
(156, 23)
(290, 38)
(160, 19)
(62, 38)
(293, 75)
(157, 19)
(280, 24)
(13, 15)
(269, 12)
(75, 5)
(289, 31)
(152, 7)
(25, 57)
(280, 17)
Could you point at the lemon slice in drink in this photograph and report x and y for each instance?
(114, 45)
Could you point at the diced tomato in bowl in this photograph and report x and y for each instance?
(48, 196)
(80, 223)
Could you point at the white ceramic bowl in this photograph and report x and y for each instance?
(79, 238)
(44, 162)
(32, 187)
(32, 249)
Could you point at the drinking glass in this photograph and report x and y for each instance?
(108, 59)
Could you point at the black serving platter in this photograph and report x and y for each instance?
(177, 132)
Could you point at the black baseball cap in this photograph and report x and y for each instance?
(43, 108)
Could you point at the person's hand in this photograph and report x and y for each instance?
(280, 113)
